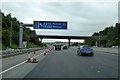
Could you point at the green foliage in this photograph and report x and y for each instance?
(6, 37)
(112, 33)
(76, 44)
(44, 45)
(15, 37)
(1, 46)
(28, 35)
(31, 45)
(14, 46)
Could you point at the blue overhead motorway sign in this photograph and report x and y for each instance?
(50, 25)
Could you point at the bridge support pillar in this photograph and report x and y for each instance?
(41, 42)
(21, 35)
(69, 43)
(96, 43)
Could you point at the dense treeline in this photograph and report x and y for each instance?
(29, 35)
(111, 34)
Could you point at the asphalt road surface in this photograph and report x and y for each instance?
(14, 60)
(67, 64)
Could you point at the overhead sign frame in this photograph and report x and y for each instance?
(50, 24)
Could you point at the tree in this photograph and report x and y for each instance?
(28, 35)
(112, 34)
(6, 37)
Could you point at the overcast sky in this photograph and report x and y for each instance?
(83, 17)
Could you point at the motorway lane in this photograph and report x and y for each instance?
(11, 61)
(67, 64)
(23, 69)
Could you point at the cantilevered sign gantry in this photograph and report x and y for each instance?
(41, 25)
(60, 25)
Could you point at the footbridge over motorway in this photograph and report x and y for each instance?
(62, 37)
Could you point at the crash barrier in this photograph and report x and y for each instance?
(30, 59)
(11, 52)
(47, 50)
(108, 50)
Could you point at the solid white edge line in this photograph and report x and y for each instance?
(17, 65)
(13, 67)
(115, 54)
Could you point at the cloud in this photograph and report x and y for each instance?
(60, 1)
(84, 17)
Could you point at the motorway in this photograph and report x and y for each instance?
(62, 64)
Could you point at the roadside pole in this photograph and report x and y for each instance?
(11, 35)
(20, 35)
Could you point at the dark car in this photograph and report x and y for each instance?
(85, 50)
(65, 47)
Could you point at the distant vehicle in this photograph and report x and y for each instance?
(85, 50)
(65, 47)
(57, 47)
(114, 46)
(95, 46)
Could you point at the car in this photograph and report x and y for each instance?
(85, 50)
(114, 46)
(65, 47)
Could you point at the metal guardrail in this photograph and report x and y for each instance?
(108, 50)
(10, 52)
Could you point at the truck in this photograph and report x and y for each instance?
(58, 46)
